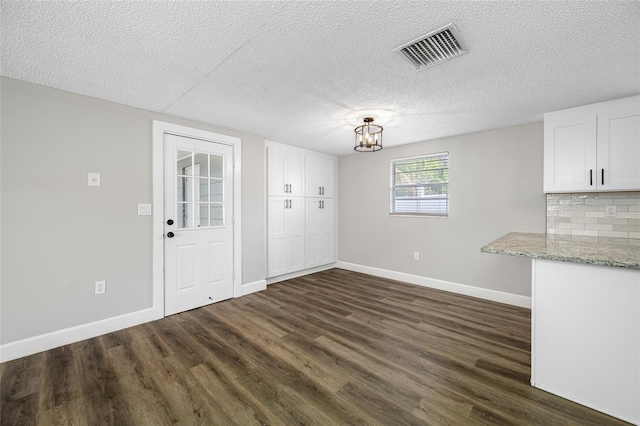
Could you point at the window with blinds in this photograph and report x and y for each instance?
(420, 185)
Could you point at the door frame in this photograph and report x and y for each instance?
(160, 128)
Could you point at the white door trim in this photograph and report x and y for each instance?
(159, 129)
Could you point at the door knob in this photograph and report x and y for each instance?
(170, 234)
(170, 222)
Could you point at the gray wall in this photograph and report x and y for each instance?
(495, 187)
(59, 236)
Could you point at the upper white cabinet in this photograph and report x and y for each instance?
(285, 171)
(320, 175)
(619, 148)
(593, 148)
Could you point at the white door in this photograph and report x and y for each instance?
(198, 224)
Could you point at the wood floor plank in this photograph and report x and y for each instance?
(331, 348)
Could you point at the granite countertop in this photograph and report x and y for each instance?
(622, 252)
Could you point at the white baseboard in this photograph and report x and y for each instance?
(301, 273)
(570, 397)
(467, 290)
(58, 338)
(249, 288)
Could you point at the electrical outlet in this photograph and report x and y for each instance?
(416, 255)
(93, 179)
(610, 211)
(101, 287)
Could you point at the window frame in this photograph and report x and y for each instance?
(392, 186)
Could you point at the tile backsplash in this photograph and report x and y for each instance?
(591, 214)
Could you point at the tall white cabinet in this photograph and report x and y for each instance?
(593, 148)
(301, 210)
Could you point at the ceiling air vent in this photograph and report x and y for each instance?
(436, 47)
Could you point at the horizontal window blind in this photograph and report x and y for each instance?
(420, 185)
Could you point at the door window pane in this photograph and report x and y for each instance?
(203, 221)
(184, 189)
(184, 163)
(201, 163)
(217, 214)
(216, 188)
(185, 215)
(202, 190)
(216, 164)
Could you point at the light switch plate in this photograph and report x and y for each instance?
(144, 209)
(94, 179)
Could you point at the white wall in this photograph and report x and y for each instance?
(495, 187)
(59, 236)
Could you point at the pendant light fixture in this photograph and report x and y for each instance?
(368, 136)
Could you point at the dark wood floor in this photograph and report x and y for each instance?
(333, 348)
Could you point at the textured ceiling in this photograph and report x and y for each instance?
(304, 73)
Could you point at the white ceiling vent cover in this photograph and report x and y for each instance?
(434, 48)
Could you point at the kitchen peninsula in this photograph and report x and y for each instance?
(585, 338)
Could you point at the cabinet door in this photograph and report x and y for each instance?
(285, 172)
(277, 238)
(296, 237)
(319, 176)
(619, 149)
(320, 231)
(327, 232)
(286, 235)
(295, 174)
(314, 231)
(327, 172)
(276, 171)
(570, 154)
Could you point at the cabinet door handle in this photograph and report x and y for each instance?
(323, 204)
(591, 177)
(290, 206)
(603, 176)
(319, 204)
